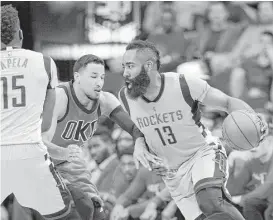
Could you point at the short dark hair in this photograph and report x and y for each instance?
(141, 45)
(9, 23)
(85, 60)
(268, 33)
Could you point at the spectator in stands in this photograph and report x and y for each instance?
(124, 173)
(219, 35)
(102, 147)
(249, 42)
(254, 188)
(237, 161)
(216, 41)
(133, 201)
(241, 12)
(185, 12)
(170, 41)
(154, 208)
(253, 80)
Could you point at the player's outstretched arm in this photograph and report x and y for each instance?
(202, 92)
(216, 98)
(54, 108)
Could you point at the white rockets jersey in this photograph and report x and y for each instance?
(167, 123)
(25, 77)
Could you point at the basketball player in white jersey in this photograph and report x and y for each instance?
(165, 107)
(28, 80)
(79, 103)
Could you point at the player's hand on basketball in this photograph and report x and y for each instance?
(74, 152)
(263, 126)
(142, 155)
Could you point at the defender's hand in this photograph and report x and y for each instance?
(159, 169)
(142, 155)
(73, 152)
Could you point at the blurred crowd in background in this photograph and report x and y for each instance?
(229, 44)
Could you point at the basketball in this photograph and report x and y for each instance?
(241, 130)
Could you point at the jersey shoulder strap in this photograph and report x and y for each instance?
(123, 99)
(194, 104)
(65, 88)
(47, 64)
(99, 111)
(185, 90)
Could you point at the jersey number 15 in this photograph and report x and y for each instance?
(13, 84)
(168, 131)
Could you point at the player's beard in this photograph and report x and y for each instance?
(139, 84)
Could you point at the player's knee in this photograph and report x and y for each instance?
(210, 200)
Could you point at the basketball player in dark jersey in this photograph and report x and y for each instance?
(78, 105)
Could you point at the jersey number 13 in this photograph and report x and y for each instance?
(167, 130)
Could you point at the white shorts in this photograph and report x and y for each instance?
(27, 172)
(208, 167)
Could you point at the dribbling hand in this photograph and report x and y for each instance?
(142, 155)
(263, 126)
(74, 152)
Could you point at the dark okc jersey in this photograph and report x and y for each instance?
(78, 123)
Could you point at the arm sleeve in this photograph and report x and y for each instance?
(123, 100)
(136, 189)
(198, 87)
(122, 118)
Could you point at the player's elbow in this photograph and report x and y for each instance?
(228, 103)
